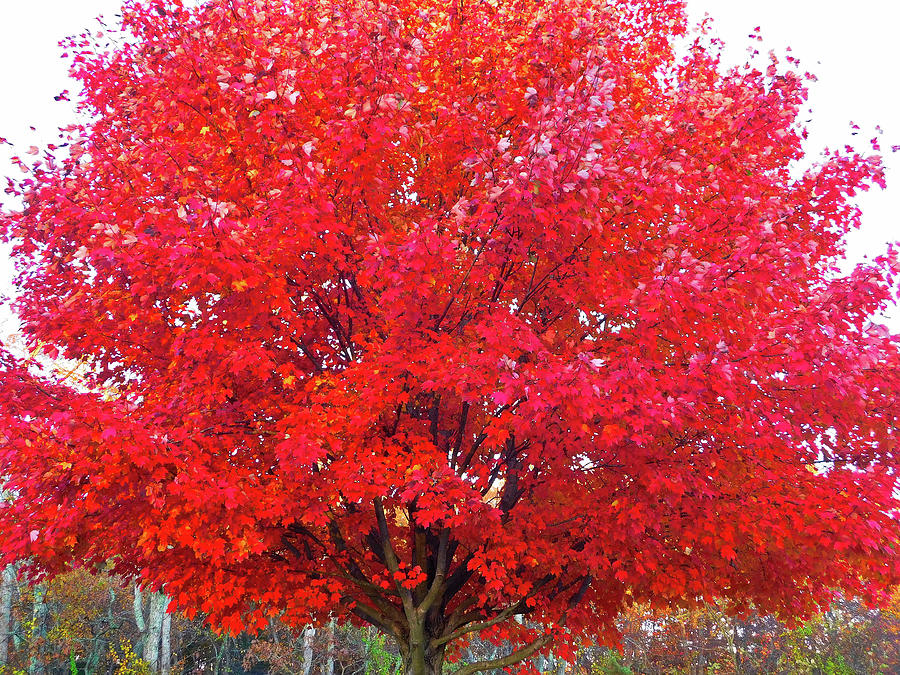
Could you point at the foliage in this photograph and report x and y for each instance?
(428, 315)
(609, 664)
(81, 612)
(127, 662)
(849, 638)
(279, 657)
(381, 661)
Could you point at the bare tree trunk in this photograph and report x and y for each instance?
(36, 665)
(165, 653)
(329, 650)
(154, 631)
(139, 621)
(309, 634)
(7, 586)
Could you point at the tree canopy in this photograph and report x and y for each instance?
(432, 314)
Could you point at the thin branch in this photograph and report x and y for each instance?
(307, 352)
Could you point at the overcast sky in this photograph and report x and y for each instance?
(853, 49)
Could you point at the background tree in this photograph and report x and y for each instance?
(432, 315)
(91, 627)
(7, 589)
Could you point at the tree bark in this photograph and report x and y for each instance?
(36, 665)
(7, 586)
(154, 631)
(165, 653)
(329, 650)
(426, 662)
(139, 621)
(309, 634)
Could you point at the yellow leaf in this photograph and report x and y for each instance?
(240, 285)
(204, 131)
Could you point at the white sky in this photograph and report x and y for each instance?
(852, 48)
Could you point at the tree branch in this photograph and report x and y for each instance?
(531, 647)
(440, 572)
(505, 661)
(369, 616)
(463, 418)
(390, 558)
(518, 607)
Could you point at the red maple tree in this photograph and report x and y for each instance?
(434, 314)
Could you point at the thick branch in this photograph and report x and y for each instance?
(481, 625)
(460, 433)
(434, 418)
(505, 661)
(531, 647)
(381, 623)
(460, 576)
(471, 454)
(518, 607)
(440, 572)
(390, 558)
(354, 575)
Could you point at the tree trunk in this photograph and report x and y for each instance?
(427, 664)
(329, 650)
(154, 631)
(36, 665)
(139, 621)
(7, 586)
(309, 634)
(418, 657)
(165, 653)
